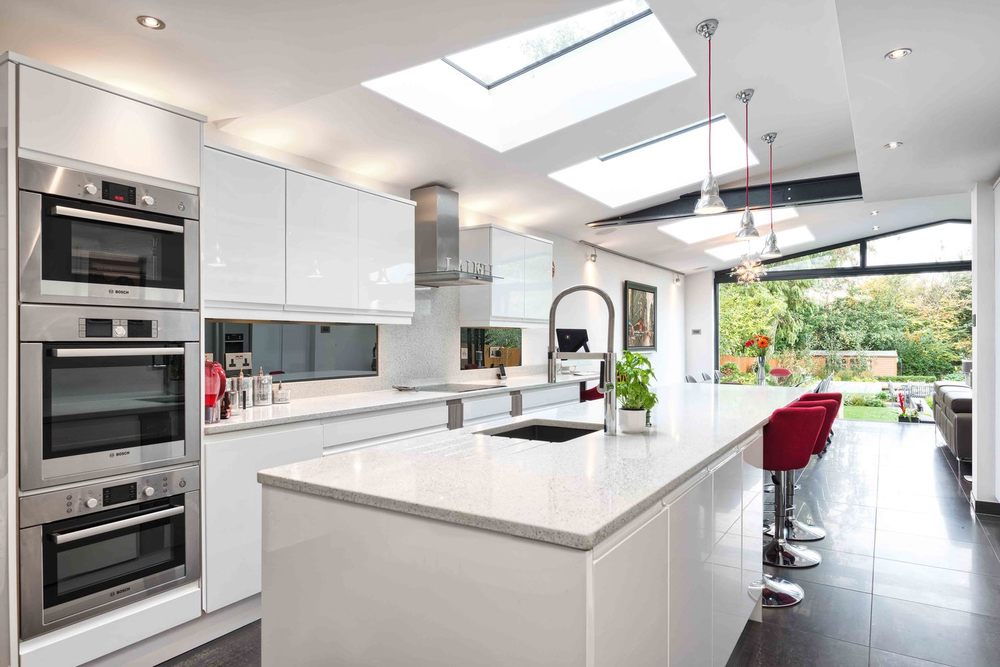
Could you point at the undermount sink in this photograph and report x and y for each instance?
(544, 430)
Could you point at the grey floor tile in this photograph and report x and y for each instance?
(240, 648)
(880, 658)
(839, 568)
(916, 502)
(932, 633)
(952, 589)
(991, 526)
(826, 610)
(946, 524)
(766, 646)
(947, 554)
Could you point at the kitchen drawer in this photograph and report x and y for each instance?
(485, 407)
(536, 399)
(384, 425)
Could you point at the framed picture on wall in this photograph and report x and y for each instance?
(640, 316)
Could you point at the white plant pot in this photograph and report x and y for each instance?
(632, 421)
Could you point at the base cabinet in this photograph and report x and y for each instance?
(232, 504)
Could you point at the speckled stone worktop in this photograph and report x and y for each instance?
(324, 407)
(574, 494)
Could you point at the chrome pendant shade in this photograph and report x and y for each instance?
(770, 249)
(709, 202)
(747, 228)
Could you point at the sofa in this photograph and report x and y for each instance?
(953, 416)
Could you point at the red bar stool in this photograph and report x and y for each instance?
(795, 529)
(789, 439)
(825, 396)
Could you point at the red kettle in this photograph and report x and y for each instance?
(215, 389)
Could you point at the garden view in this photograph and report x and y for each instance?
(873, 334)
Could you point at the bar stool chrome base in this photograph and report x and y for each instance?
(798, 531)
(776, 592)
(782, 554)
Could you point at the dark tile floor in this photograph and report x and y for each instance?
(910, 576)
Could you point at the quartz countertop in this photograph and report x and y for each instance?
(574, 494)
(323, 407)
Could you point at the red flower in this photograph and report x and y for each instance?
(748, 343)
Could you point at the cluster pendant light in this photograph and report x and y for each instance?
(770, 249)
(747, 228)
(709, 202)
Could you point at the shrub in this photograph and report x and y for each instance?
(907, 378)
(729, 368)
(955, 377)
(865, 400)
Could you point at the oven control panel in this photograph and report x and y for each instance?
(82, 500)
(92, 327)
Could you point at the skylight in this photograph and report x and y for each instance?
(659, 164)
(502, 60)
(702, 228)
(787, 238)
(520, 88)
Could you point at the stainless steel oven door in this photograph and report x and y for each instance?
(92, 562)
(77, 248)
(90, 410)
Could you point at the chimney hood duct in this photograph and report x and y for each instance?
(438, 258)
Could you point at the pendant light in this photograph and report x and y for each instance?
(709, 202)
(770, 249)
(749, 270)
(747, 228)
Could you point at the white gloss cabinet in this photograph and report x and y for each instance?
(321, 226)
(243, 232)
(385, 250)
(521, 292)
(690, 583)
(70, 120)
(232, 503)
(730, 608)
(631, 598)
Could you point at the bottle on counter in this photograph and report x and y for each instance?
(262, 389)
(233, 395)
(245, 391)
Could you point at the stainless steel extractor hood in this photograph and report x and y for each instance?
(438, 259)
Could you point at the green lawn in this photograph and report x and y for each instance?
(867, 414)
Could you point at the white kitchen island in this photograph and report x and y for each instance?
(461, 548)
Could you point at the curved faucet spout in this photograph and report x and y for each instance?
(607, 386)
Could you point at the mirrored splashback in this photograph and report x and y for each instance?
(293, 351)
(490, 347)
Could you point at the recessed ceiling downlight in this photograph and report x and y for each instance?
(150, 22)
(897, 54)
(892, 145)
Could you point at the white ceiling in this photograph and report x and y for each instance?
(288, 74)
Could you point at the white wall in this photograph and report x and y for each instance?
(984, 344)
(699, 314)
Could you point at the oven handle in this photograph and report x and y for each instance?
(117, 219)
(83, 533)
(72, 352)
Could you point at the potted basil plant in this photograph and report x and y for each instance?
(633, 373)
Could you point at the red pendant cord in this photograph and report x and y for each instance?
(770, 182)
(746, 145)
(710, 105)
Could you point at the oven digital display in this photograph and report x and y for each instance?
(117, 192)
(119, 494)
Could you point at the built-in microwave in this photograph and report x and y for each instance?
(89, 549)
(86, 239)
(105, 391)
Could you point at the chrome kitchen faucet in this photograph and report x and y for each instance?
(607, 381)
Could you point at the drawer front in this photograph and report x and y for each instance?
(485, 407)
(540, 398)
(383, 424)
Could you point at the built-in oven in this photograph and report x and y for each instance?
(105, 391)
(86, 239)
(89, 549)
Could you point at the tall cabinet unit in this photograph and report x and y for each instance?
(521, 292)
(286, 245)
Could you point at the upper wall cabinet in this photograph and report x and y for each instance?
(62, 120)
(303, 245)
(521, 292)
(243, 232)
(322, 217)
